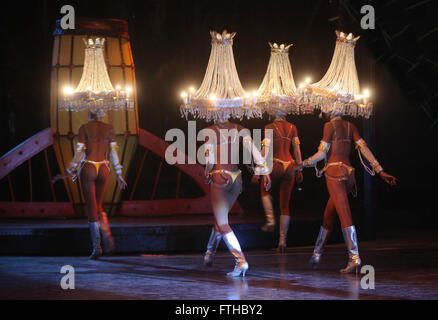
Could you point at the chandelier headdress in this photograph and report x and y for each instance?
(277, 91)
(221, 94)
(339, 91)
(95, 91)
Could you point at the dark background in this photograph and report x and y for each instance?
(171, 45)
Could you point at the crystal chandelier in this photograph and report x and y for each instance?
(220, 94)
(277, 91)
(95, 91)
(338, 91)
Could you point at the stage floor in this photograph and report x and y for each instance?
(406, 267)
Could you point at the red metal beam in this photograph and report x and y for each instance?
(25, 151)
(159, 146)
(36, 209)
(200, 205)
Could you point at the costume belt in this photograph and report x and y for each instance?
(232, 174)
(285, 164)
(348, 170)
(98, 164)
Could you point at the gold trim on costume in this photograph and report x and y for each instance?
(324, 147)
(285, 164)
(360, 144)
(232, 174)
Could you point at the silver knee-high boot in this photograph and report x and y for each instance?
(213, 243)
(233, 245)
(95, 240)
(284, 228)
(107, 237)
(354, 261)
(269, 213)
(319, 245)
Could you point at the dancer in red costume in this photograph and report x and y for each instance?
(225, 181)
(95, 140)
(285, 135)
(336, 143)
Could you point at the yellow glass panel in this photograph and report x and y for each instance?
(113, 51)
(127, 54)
(78, 50)
(65, 51)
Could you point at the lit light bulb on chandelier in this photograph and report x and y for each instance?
(68, 91)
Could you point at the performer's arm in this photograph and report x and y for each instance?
(79, 155)
(296, 146)
(362, 147)
(266, 143)
(114, 157)
(260, 161)
(323, 148)
(75, 164)
(261, 168)
(297, 154)
(209, 157)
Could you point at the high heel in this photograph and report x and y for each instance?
(354, 261)
(284, 228)
(213, 243)
(239, 269)
(107, 237)
(233, 245)
(269, 213)
(319, 246)
(95, 240)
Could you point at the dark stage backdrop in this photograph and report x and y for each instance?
(171, 45)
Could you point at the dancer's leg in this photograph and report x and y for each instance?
(286, 187)
(222, 201)
(268, 208)
(101, 186)
(88, 177)
(324, 232)
(88, 180)
(213, 244)
(338, 191)
(329, 215)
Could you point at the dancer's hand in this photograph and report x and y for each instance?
(60, 177)
(299, 177)
(267, 182)
(255, 179)
(391, 180)
(297, 167)
(121, 182)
